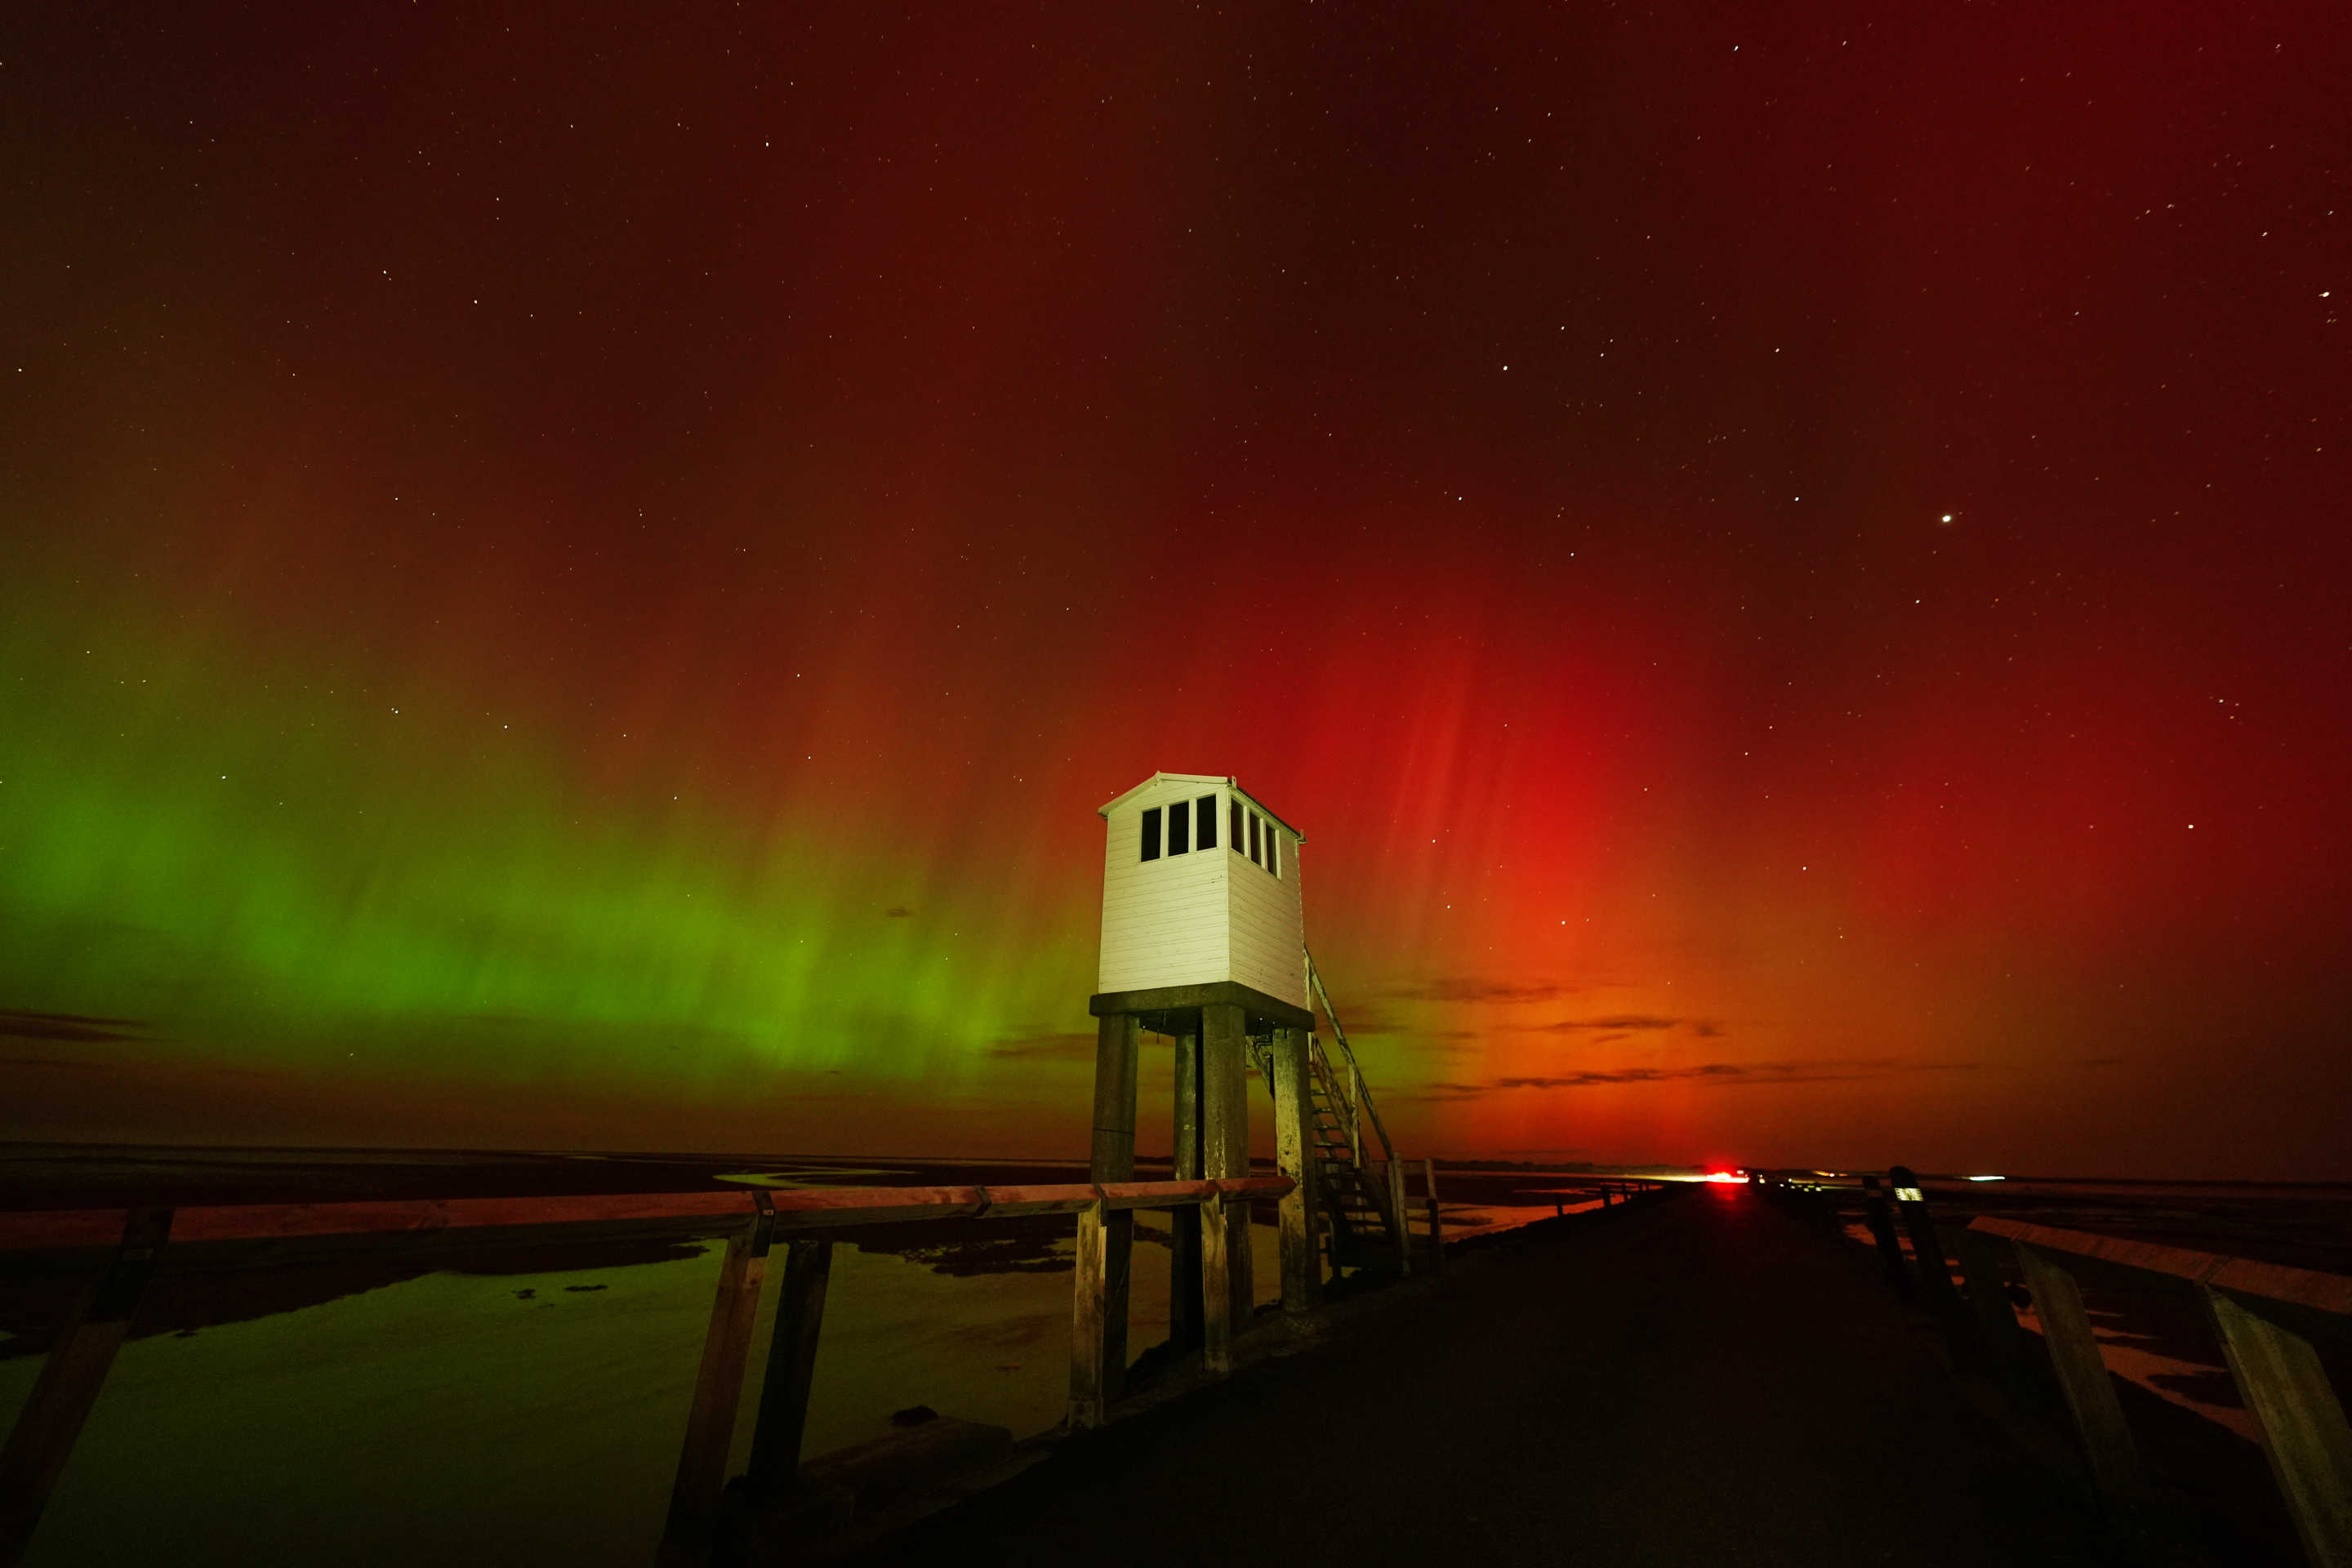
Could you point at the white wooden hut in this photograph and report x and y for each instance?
(1200, 885)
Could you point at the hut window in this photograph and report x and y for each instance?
(1151, 834)
(1205, 811)
(1273, 849)
(1237, 827)
(1255, 851)
(1180, 823)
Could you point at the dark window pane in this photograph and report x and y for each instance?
(1237, 825)
(1253, 847)
(1205, 809)
(1151, 834)
(1274, 848)
(1180, 823)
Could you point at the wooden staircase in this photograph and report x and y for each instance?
(1361, 1222)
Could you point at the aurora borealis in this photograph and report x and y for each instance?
(576, 583)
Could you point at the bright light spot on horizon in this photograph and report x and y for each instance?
(1987, 1178)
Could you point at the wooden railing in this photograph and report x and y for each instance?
(1359, 1097)
(2270, 1321)
(127, 1248)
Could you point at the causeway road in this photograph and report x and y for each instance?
(1698, 1381)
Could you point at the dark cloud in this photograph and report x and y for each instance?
(1047, 1048)
(1707, 1029)
(1621, 1021)
(1829, 1071)
(26, 1026)
(1460, 989)
(898, 911)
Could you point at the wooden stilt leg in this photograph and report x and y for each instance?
(1217, 1288)
(1089, 1346)
(1224, 1138)
(1302, 1275)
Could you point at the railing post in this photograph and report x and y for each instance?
(1396, 1214)
(2303, 1432)
(717, 1389)
(1216, 1288)
(2002, 1341)
(2090, 1392)
(1356, 1112)
(1880, 1221)
(42, 1437)
(1436, 1225)
(1184, 1223)
(1090, 1363)
(791, 1366)
(1927, 1247)
(1302, 1278)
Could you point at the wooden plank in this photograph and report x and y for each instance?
(717, 1389)
(782, 1419)
(1436, 1223)
(1302, 1273)
(46, 1427)
(2303, 1432)
(1089, 1365)
(1184, 1241)
(2090, 1392)
(1224, 1137)
(1216, 1288)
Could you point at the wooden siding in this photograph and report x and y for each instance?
(1269, 938)
(1164, 920)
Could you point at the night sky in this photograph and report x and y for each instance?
(577, 583)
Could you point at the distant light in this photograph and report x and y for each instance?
(1987, 1178)
(1723, 1176)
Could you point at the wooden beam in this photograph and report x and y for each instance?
(717, 1389)
(782, 1419)
(1224, 1140)
(42, 1437)
(1999, 1341)
(1213, 994)
(2303, 1432)
(1302, 1273)
(2090, 1392)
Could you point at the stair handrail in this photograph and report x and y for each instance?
(1355, 1074)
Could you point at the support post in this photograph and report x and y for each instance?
(1396, 1214)
(42, 1437)
(791, 1366)
(1184, 1224)
(2304, 1435)
(2090, 1392)
(1225, 1141)
(1302, 1274)
(1437, 1224)
(1880, 1221)
(1998, 1335)
(1217, 1288)
(717, 1389)
(1926, 1247)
